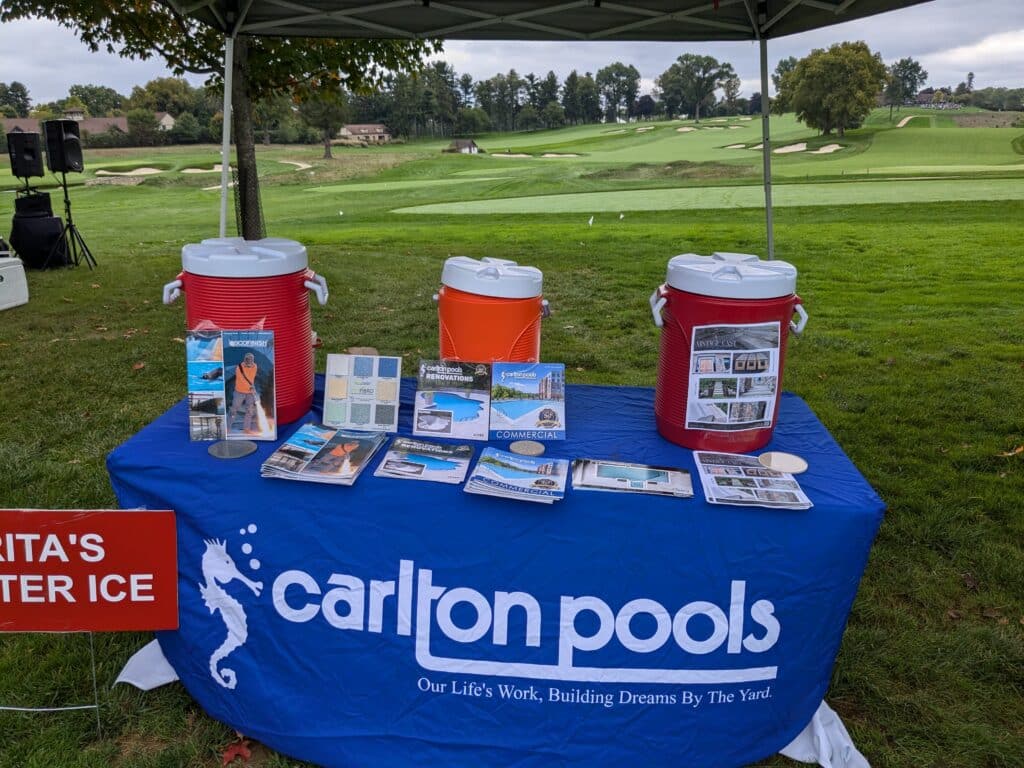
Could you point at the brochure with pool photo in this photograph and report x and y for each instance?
(453, 399)
(231, 385)
(734, 478)
(601, 475)
(318, 454)
(527, 401)
(410, 459)
(509, 475)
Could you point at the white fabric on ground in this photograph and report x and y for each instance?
(147, 669)
(825, 741)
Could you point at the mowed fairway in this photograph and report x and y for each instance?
(912, 359)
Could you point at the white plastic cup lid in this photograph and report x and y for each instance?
(500, 278)
(731, 276)
(236, 257)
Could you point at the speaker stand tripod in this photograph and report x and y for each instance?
(70, 238)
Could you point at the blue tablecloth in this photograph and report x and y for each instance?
(406, 623)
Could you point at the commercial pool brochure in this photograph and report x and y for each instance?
(733, 378)
(509, 475)
(361, 392)
(319, 454)
(231, 385)
(734, 478)
(410, 459)
(600, 475)
(452, 400)
(527, 401)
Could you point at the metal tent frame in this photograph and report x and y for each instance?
(589, 20)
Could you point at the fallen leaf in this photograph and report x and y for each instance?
(66, 300)
(890, 361)
(237, 750)
(178, 340)
(1004, 621)
(1014, 452)
(954, 614)
(822, 376)
(969, 581)
(991, 613)
(138, 366)
(95, 285)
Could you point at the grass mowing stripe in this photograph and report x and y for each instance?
(851, 193)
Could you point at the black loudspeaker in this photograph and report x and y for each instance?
(26, 153)
(39, 241)
(63, 146)
(34, 205)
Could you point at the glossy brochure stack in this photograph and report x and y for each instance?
(409, 459)
(509, 475)
(319, 454)
(601, 475)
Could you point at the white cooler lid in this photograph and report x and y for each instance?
(492, 277)
(731, 276)
(235, 257)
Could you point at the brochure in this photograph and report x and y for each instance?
(734, 377)
(527, 401)
(509, 475)
(231, 385)
(361, 392)
(601, 475)
(318, 454)
(423, 460)
(452, 400)
(735, 478)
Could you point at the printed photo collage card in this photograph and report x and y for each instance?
(231, 385)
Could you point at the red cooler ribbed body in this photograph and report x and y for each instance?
(274, 302)
(489, 311)
(681, 312)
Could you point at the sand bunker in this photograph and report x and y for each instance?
(828, 149)
(559, 154)
(734, 127)
(645, 128)
(685, 129)
(790, 148)
(617, 130)
(298, 166)
(215, 169)
(907, 119)
(736, 146)
(135, 172)
(746, 118)
(714, 128)
(506, 154)
(217, 186)
(758, 146)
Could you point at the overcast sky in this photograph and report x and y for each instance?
(949, 38)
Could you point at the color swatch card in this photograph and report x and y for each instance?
(231, 385)
(361, 392)
(527, 401)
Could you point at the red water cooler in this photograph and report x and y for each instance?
(725, 320)
(238, 284)
(490, 310)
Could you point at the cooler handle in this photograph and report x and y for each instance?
(658, 300)
(172, 290)
(318, 285)
(798, 327)
(545, 308)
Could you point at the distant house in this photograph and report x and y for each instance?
(465, 147)
(20, 125)
(165, 122)
(925, 96)
(371, 133)
(96, 125)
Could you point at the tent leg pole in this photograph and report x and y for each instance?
(766, 149)
(225, 144)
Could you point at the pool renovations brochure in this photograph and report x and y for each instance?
(452, 400)
(600, 475)
(527, 401)
(361, 392)
(410, 459)
(319, 454)
(231, 385)
(735, 478)
(511, 476)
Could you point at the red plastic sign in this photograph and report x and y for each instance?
(87, 570)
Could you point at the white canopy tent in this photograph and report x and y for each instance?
(632, 20)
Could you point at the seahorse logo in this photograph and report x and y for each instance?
(218, 570)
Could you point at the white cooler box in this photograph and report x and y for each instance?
(13, 287)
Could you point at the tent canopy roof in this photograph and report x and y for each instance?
(652, 20)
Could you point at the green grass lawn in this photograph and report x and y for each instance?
(912, 358)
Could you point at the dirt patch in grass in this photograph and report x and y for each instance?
(682, 169)
(989, 120)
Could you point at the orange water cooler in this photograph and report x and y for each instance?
(490, 310)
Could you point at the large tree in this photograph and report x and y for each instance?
(262, 66)
(834, 89)
(779, 104)
(619, 85)
(327, 112)
(15, 96)
(691, 81)
(904, 78)
(99, 100)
